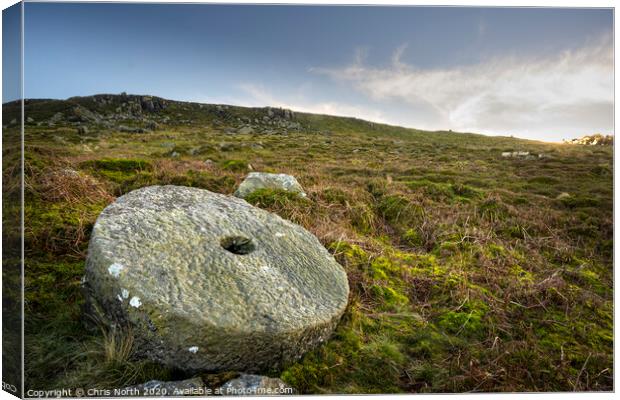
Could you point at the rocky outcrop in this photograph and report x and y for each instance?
(142, 114)
(593, 140)
(209, 282)
(279, 113)
(262, 180)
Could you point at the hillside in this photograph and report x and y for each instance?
(475, 263)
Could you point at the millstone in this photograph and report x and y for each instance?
(209, 282)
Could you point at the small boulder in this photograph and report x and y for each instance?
(263, 180)
(562, 196)
(56, 118)
(255, 385)
(245, 130)
(151, 125)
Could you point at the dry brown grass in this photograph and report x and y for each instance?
(70, 186)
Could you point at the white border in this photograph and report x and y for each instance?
(475, 3)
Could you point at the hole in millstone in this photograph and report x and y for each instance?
(237, 244)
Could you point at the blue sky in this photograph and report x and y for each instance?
(11, 62)
(537, 73)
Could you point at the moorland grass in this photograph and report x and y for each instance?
(467, 273)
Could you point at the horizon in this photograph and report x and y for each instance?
(541, 74)
(317, 113)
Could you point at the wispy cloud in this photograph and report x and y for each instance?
(551, 97)
(257, 95)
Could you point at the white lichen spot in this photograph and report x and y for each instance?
(279, 234)
(193, 349)
(135, 302)
(115, 269)
(125, 293)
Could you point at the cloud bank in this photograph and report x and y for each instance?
(552, 97)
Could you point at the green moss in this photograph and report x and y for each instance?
(51, 284)
(521, 275)
(390, 298)
(496, 250)
(203, 180)
(467, 321)
(119, 165)
(121, 171)
(384, 266)
(235, 165)
(274, 198)
(413, 238)
(59, 227)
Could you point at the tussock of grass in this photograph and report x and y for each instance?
(235, 165)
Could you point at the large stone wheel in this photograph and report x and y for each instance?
(209, 282)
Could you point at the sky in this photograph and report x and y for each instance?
(535, 73)
(11, 51)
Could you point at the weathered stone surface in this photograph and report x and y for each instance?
(255, 385)
(563, 195)
(279, 113)
(152, 125)
(170, 388)
(245, 130)
(263, 180)
(209, 282)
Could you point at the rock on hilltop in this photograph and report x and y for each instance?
(141, 114)
(593, 140)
